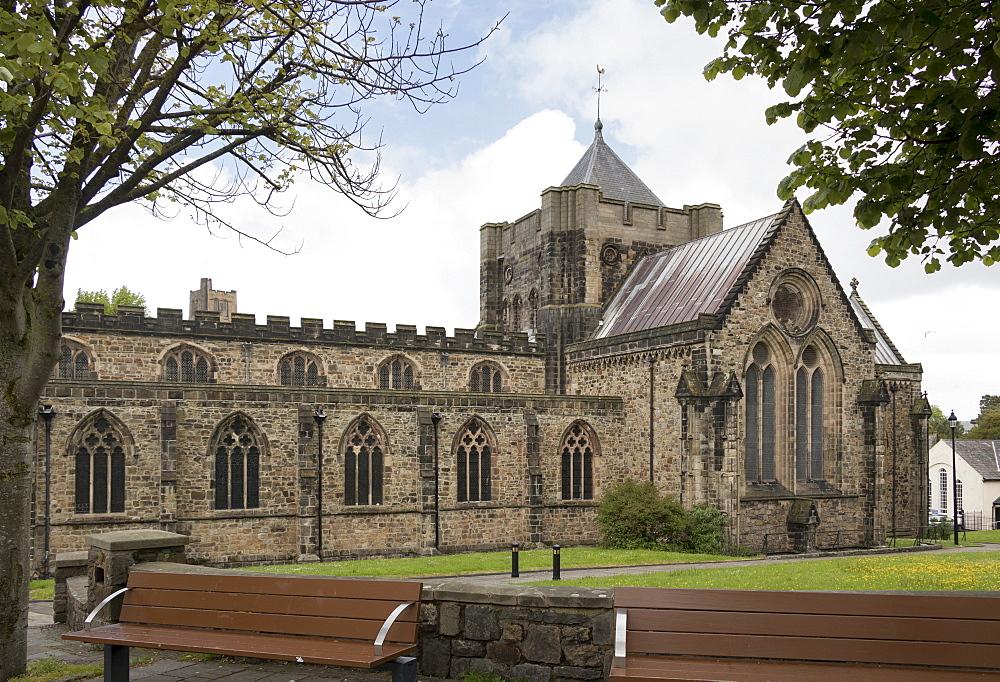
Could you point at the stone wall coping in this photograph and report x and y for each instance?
(125, 540)
(554, 596)
(70, 559)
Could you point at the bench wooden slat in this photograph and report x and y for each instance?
(262, 622)
(252, 645)
(370, 609)
(817, 649)
(789, 601)
(813, 625)
(289, 585)
(661, 668)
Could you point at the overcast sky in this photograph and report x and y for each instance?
(520, 122)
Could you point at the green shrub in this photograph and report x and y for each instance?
(940, 530)
(707, 530)
(633, 516)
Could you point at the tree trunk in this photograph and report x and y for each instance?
(15, 496)
(31, 305)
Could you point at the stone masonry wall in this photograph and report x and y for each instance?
(133, 348)
(169, 469)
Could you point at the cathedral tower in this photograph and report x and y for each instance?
(552, 271)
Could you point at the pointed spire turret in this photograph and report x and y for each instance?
(601, 166)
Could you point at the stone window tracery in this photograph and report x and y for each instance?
(761, 416)
(98, 446)
(187, 365)
(74, 362)
(515, 314)
(486, 377)
(474, 449)
(533, 310)
(364, 462)
(577, 451)
(397, 372)
(809, 410)
(299, 369)
(237, 447)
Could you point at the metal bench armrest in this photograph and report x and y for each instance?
(384, 630)
(105, 602)
(621, 619)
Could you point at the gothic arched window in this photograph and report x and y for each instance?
(486, 377)
(576, 451)
(98, 446)
(761, 416)
(533, 310)
(74, 363)
(364, 462)
(299, 369)
(515, 314)
(237, 447)
(187, 365)
(809, 409)
(397, 372)
(505, 314)
(474, 449)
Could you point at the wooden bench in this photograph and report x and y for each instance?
(690, 634)
(330, 621)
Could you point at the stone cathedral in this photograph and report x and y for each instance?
(618, 338)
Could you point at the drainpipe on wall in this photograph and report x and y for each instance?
(436, 419)
(652, 369)
(320, 417)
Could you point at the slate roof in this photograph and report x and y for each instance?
(601, 166)
(680, 283)
(981, 455)
(886, 352)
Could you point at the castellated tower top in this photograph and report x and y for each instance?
(601, 166)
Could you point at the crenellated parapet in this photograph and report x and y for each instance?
(90, 317)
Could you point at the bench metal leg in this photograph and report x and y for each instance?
(404, 669)
(115, 663)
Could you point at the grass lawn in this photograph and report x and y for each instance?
(42, 589)
(980, 536)
(488, 562)
(972, 571)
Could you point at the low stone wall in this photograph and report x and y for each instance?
(519, 631)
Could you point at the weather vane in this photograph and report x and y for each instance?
(599, 90)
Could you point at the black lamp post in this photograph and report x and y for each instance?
(320, 417)
(953, 423)
(47, 412)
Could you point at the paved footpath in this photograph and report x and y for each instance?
(170, 666)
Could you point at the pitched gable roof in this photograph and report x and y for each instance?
(886, 352)
(981, 455)
(680, 283)
(601, 166)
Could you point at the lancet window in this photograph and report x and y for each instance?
(398, 373)
(577, 450)
(486, 377)
(99, 445)
(474, 450)
(187, 365)
(761, 414)
(299, 369)
(237, 447)
(364, 462)
(809, 409)
(74, 363)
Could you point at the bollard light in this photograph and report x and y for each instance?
(555, 563)
(514, 568)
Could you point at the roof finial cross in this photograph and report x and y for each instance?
(599, 90)
(854, 286)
